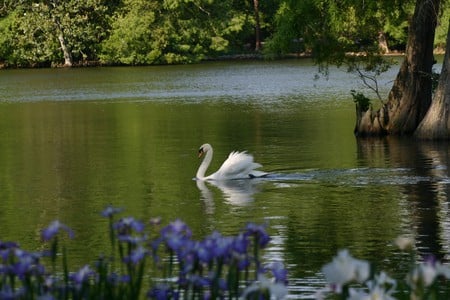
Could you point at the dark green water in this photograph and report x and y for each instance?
(73, 141)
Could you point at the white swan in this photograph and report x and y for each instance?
(238, 165)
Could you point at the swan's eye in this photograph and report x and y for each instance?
(200, 152)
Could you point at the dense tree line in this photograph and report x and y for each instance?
(136, 32)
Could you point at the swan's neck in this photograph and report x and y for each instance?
(204, 165)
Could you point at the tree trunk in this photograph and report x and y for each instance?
(382, 42)
(410, 96)
(436, 124)
(257, 26)
(65, 49)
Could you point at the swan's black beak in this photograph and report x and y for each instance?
(200, 152)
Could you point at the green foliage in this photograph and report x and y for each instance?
(50, 32)
(361, 101)
(135, 32)
(442, 28)
(6, 37)
(331, 30)
(131, 34)
(36, 29)
(290, 29)
(170, 31)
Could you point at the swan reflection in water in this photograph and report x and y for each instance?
(236, 192)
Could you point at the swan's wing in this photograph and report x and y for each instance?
(237, 165)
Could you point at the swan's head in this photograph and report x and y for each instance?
(203, 149)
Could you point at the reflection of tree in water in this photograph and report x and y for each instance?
(432, 198)
(427, 198)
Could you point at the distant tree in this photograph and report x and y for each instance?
(170, 31)
(296, 25)
(54, 31)
(330, 29)
(134, 38)
(6, 36)
(257, 25)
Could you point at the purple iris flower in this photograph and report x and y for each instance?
(163, 292)
(115, 278)
(240, 244)
(223, 284)
(126, 225)
(177, 227)
(199, 281)
(177, 235)
(279, 272)
(214, 246)
(5, 254)
(8, 293)
(133, 240)
(82, 275)
(109, 211)
(223, 247)
(176, 242)
(4, 270)
(259, 231)
(54, 228)
(136, 255)
(203, 251)
(6, 249)
(27, 264)
(244, 263)
(8, 245)
(189, 260)
(35, 256)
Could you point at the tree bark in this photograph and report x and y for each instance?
(382, 42)
(66, 52)
(257, 26)
(436, 124)
(410, 96)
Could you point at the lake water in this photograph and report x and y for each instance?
(73, 141)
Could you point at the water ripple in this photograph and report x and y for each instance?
(355, 177)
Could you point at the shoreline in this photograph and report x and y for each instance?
(230, 57)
